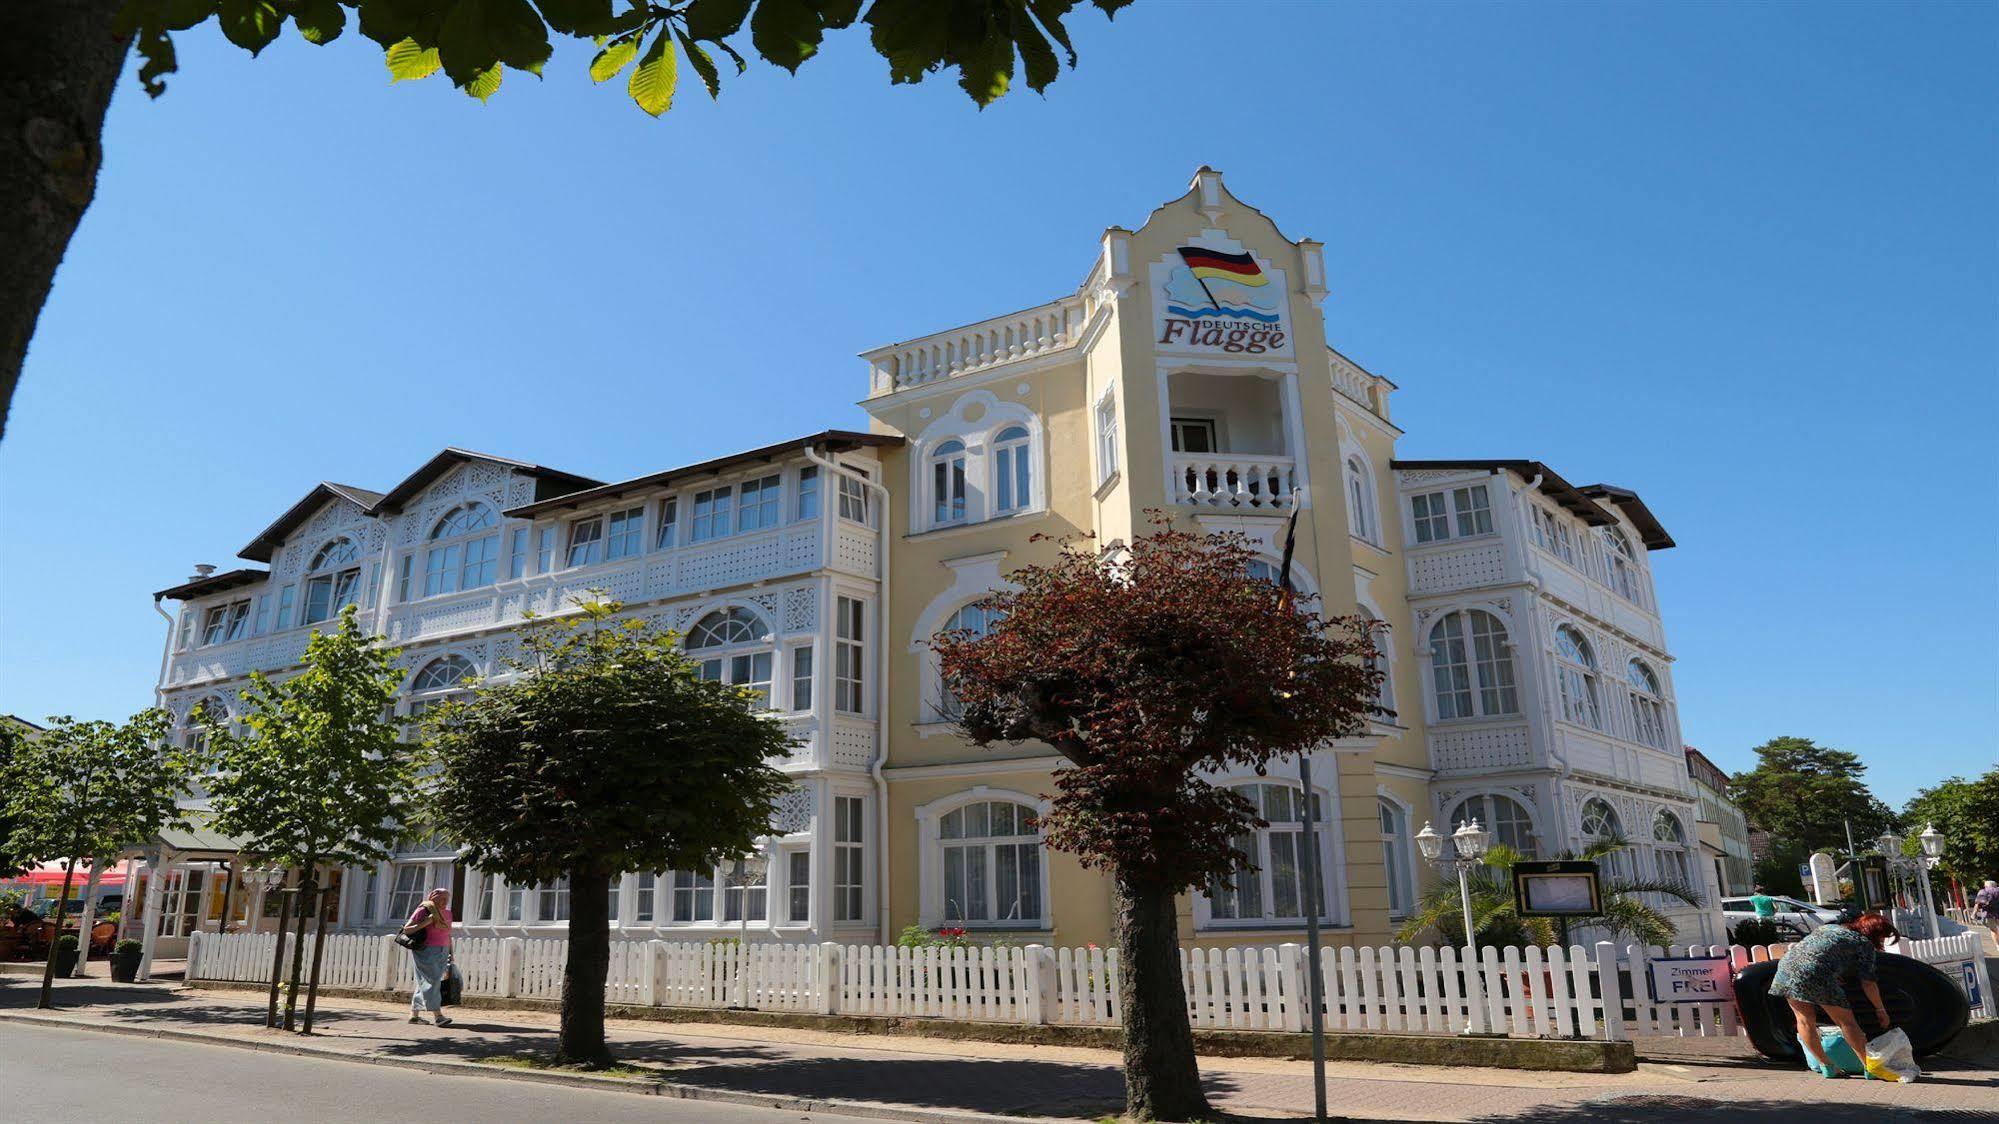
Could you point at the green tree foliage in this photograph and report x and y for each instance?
(1806, 793)
(1496, 920)
(607, 753)
(84, 789)
(318, 775)
(1149, 668)
(474, 42)
(1967, 813)
(12, 863)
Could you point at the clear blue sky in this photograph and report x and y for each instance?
(1740, 258)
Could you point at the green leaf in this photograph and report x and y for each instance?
(320, 21)
(179, 15)
(250, 24)
(912, 35)
(515, 30)
(406, 60)
(390, 21)
(577, 17)
(653, 81)
(158, 52)
(1110, 8)
(703, 65)
(785, 32)
(985, 67)
(613, 59)
(467, 52)
(486, 83)
(1037, 58)
(714, 19)
(1050, 13)
(838, 13)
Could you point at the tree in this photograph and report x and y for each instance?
(1807, 793)
(1967, 814)
(12, 739)
(1148, 668)
(319, 776)
(62, 58)
(1626, 915)
(607, 752)
(86, 789)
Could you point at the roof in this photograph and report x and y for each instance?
(1649, 531)
(269, 538)
(835, 440)
(213, 583)
(1552, 485)
(553, 480)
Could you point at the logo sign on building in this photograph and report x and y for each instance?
(1562, 888)
(1212, 297)
(1691, 979)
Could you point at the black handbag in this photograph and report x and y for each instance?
(414, 941)
(452, 988)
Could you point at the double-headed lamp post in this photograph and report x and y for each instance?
(1932, 842)
(1469, 842)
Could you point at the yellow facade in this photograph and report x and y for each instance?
(1223, 412)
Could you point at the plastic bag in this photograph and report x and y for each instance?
(1892, 1051)
(452, 988)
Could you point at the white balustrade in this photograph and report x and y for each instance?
(976, 347)
(1258, 483)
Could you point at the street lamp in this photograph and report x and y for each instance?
(1468, 842)
(1932, 842)
(750, 871)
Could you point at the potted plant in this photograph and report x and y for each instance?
(65, 955)
(125, 960)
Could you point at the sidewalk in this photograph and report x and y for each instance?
(929, 1079)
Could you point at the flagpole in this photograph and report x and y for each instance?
(1309, 861)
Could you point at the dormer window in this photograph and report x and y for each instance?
(335, 580)
(464, 551)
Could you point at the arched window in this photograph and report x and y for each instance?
(439, 680)
(974, 621)
(947, 483)
(1575, 670)
(1013, 477)
(1395, 858)
(734, 647)
(335, 580)
(1384, 689)
(1270, 887)
(1503, 816)
(1360, 499)
(1260, 570)
(1623, 563)
(1648, 704)
(992, 863)
(464, 551)
(1669, 840)
(194, 731)
(1601, 824)
(1467, 643)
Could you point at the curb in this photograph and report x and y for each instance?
(630, 1086)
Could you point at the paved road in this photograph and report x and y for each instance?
(54, 1075)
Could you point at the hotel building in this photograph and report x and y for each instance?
(1527, 673)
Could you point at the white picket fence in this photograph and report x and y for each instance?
(1536, 992)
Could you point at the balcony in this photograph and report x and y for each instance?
(1040, 331)
(1235, 483)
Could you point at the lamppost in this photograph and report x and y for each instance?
(1932, 842)
(1469, 842)
(748, 872)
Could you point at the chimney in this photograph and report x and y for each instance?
(202, 570)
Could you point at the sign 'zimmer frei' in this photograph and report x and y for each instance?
(1217, 299)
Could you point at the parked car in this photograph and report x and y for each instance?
(1794, 918)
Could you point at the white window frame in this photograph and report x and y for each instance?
(1579, 685)
(584, 544)
(449, 565)
(1620, 863)
(1361, 521)
(1488, 671)
(341, 577)
(948, 475)
(850, 860)
(1483, 806)
(1013, 475)
(1648, 703)
(1456, 511)
(625, 533)
(850, 655)
(1263, 841)
(763, 496)
(931, 907)
(1107, 437)
(1397, 856)
(713, 514)
(735, 659)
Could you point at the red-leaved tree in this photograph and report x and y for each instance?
(1151, 668)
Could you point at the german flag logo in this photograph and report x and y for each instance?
(1217, 266)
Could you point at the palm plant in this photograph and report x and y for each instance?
(1626, 915)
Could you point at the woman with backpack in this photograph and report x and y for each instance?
(430, 930)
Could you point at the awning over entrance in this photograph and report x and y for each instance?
(199, 840)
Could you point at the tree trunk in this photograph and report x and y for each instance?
(59, 63)
(318, 954)
(49, 969)
(583, 973)
(1161, 1079)
(306, 897)
(278, 952)
(86, 916)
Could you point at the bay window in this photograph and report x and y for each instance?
(1472, 643)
